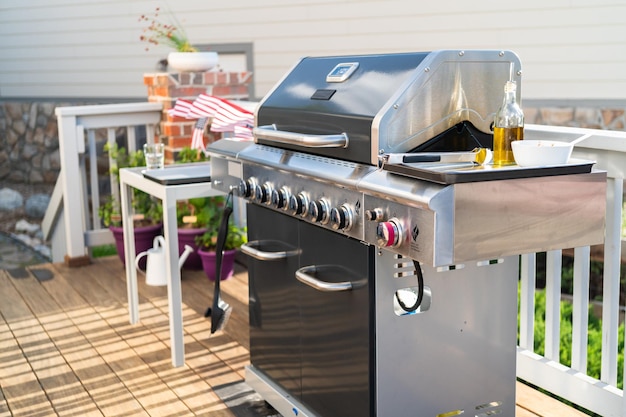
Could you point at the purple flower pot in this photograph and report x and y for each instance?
(144, 237)
(228, 263)
(188, 237)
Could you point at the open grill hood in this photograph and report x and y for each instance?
(389, 103)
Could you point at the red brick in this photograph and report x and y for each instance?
(173, 119)
(223, 78)
(185, 78)
(230, 91)
(161, 91)
(171, 129)
(183, 92)
(179, 142)
(209, 78)
(148, 79)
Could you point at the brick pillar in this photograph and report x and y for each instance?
(166, 88)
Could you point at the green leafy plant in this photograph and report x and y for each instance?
(188, 155)
(199, 212)
(170, 34)
(236, 237)
(148, 210)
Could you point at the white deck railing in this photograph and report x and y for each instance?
(76, 198)
(608, 148)
(601, 395)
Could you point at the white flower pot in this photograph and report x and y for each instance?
(192, 61)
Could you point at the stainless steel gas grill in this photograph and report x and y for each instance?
(381, 286)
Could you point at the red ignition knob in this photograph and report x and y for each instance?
(389, 233)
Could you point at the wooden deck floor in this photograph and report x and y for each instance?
(67, 348)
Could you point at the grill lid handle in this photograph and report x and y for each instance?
(270, 133)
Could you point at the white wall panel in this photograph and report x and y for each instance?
(570, 49)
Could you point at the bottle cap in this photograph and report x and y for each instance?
(510, 87)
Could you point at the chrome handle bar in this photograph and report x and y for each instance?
(303, 275)
(292, 138)
(251, 248)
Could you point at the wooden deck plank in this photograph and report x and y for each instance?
(76, 327)
(530, 399)
(151, 392)
(107, 390)
(4, 407)
(28, 371)
(102, 338)
(185, 382)
(55, 370)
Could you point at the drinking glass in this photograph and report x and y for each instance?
(155, 155)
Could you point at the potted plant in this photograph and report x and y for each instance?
(207, 244)
(194, 217)
(148, 211)
(185, 57)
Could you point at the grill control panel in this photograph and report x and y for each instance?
(328, 205)
(375, 219)
(400, 228)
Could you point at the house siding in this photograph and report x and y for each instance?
(570, 49)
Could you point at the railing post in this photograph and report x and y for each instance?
(527, 301)
(610, 290)
(580, 319)
(553, 304)
(69, 149)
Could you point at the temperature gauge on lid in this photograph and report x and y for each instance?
(341, 72)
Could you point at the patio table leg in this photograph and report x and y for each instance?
(174, 293)
(129, 253)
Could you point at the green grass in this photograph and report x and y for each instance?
(104, 250)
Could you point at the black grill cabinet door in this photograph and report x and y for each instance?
(336, 335)
(274, 308)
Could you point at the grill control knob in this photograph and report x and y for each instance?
(389, 233)
(262, 193)
(342, 218)
(268, 190)
(374, 215)
(247, 187)
(280, 198)
(298, 204)
(319, 211)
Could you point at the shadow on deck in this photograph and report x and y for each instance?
(67, 348)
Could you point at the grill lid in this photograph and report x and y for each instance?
(357, 107)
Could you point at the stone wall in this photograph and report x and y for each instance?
(605, 118)
(29, 143)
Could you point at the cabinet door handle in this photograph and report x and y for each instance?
(252, 249)
(305, 276)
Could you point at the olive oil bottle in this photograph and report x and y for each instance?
(508, 126)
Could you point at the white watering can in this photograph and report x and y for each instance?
(156, 274)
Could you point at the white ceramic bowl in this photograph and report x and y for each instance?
(192, 61)
(529, 153)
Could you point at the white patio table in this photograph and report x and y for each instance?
(181, 185)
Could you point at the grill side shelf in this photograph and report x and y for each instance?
(461, 173)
